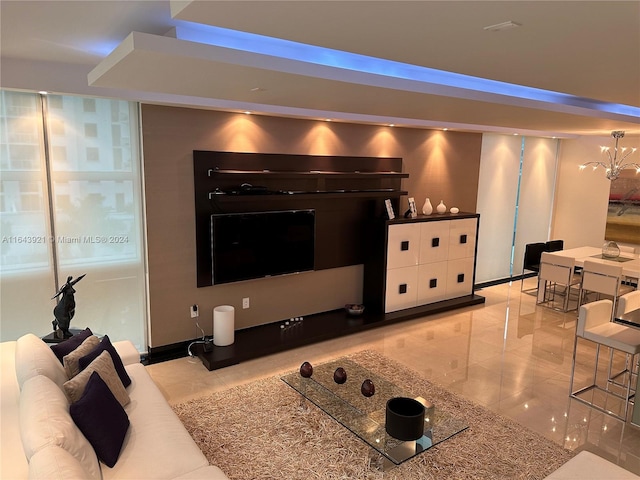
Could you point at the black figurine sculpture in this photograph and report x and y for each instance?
(65, 309)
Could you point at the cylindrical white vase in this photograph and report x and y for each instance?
(223, 325)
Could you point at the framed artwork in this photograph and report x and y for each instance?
(623, 216)
(389, 207)
(412, 207)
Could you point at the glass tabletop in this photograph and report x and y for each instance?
(365, 416)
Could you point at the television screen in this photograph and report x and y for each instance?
(261, 244)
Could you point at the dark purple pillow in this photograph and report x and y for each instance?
(65, 348)
(101, 419)
(105, 344)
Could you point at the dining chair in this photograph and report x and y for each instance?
(555, 271)
(602, 279)
(554, 245)
(595, 326)
(531, 261)
(632, 281)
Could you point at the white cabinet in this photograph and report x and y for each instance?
(402, 288)
(403, 245)
(429, 260)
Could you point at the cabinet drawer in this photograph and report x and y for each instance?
(462, 238)
(403, 247)
(460, 277)
(401, 291)
(434, 241)
(432, 282)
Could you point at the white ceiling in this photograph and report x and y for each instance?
(587, 49)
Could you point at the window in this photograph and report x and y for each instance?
(90, 130)
(85, 217)
(93, 154)
(89, 105)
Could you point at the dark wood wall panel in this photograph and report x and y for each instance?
(345, 192)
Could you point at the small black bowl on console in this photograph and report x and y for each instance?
(404, 418)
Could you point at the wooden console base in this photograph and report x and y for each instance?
(267, 339)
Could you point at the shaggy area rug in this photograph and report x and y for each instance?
(259, 431)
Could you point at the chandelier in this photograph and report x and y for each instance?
(615, 165)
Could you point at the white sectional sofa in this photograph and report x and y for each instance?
(41, 441)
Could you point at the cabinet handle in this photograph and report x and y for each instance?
(402, 288)
(463, 238)
(433, 283)
(461, 278)
(404, 246)
(435, 242)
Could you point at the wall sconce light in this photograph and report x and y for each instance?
(615, 165)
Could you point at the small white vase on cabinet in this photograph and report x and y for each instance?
(427, 208)
(441, 208)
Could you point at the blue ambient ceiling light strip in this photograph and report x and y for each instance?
(276, 47)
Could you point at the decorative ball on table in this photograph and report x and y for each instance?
(306, 370)
(368, 389)
(340, 376)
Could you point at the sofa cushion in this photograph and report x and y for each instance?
(101, 419)
(157, 444)
(104, 366)
(53, 462)
(70, 344)
(34, 357)
(45, 420)
(105, 344)
(71, 361)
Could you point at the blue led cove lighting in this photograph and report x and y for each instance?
(311, 54)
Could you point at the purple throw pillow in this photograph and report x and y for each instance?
(105, 344)
(65, 348)
(101, 419)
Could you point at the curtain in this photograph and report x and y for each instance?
(71, 204)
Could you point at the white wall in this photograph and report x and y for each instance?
(582, 196)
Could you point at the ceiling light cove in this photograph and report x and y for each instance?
(287, 56)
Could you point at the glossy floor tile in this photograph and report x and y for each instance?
(509, 355)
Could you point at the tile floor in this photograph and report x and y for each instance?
(509, 355)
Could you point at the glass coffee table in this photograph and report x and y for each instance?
(365, 416)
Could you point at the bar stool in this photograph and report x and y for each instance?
(558, 270)
(594, 325)
(627, 302)
(602, 279)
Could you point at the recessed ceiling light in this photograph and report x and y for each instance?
(392, 125)
(247, 112)
(43, 92)
(498, 27)
(327, 119)
(445, 129)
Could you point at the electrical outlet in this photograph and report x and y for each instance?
(193, 309)
(245, 302)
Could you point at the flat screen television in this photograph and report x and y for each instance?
(247, 246)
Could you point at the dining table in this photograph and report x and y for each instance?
(630, 262)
